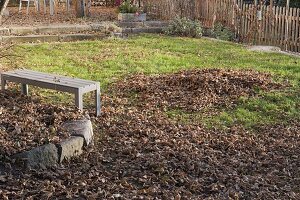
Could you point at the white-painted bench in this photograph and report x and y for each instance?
(55, 82)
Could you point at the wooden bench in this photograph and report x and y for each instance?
(55, 82)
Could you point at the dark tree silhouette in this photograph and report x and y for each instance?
(3, 4)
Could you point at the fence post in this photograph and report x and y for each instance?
(287, 24)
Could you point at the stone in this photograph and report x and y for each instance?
(4, 31)
(262, 48)
(30, 38)
(156, 23)
(147, 30)
(98, 27)
(77, 37)
(39, 157)
(70, 148)
(5, 13)
(23, 30)
(83, 27)
(130, 24)
(118, 35)
(132, 17)
(55, 29)
(82, 128)
(111, 28)
(127, 30)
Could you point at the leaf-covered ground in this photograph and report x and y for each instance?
(143, 154)
(194, 90)
(61, 16)
(25, 122)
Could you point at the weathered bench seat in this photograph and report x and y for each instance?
(55, 82)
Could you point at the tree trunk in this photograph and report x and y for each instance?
(82, 8)
(3, 5)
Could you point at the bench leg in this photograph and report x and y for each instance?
(20, 5)
(97, 102)
(45, 7)
(28, 7)
(3, 84)
(24, 89)
(68, 5)
(78, 100)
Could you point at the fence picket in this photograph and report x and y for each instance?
(297, 31)
(275, 25)
(293, 29)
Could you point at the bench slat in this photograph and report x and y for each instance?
(39, 80)
(58, 76)
(48, 79)
(18, 79)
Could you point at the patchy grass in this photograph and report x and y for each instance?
(270, 108)
(109, 60)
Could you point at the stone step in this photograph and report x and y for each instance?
(156, 24)
(102, 27)
(75, 36)
(68, 33)
(143, 30)
(50, 38)
(52, 29)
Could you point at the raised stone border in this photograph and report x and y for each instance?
(49, 155)
(148, 24)
(143, 27)
(132, 17)
(68, 33)
(52, 29)
(50, 38)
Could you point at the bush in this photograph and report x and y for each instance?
(127, 7)
(184, 27)
(222, 32)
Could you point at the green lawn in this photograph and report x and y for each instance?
(109, 60)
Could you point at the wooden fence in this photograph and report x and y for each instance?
(266, 25)
(253, 24)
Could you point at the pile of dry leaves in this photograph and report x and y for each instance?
(194, 90)
(26, 123)
(140, 154)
